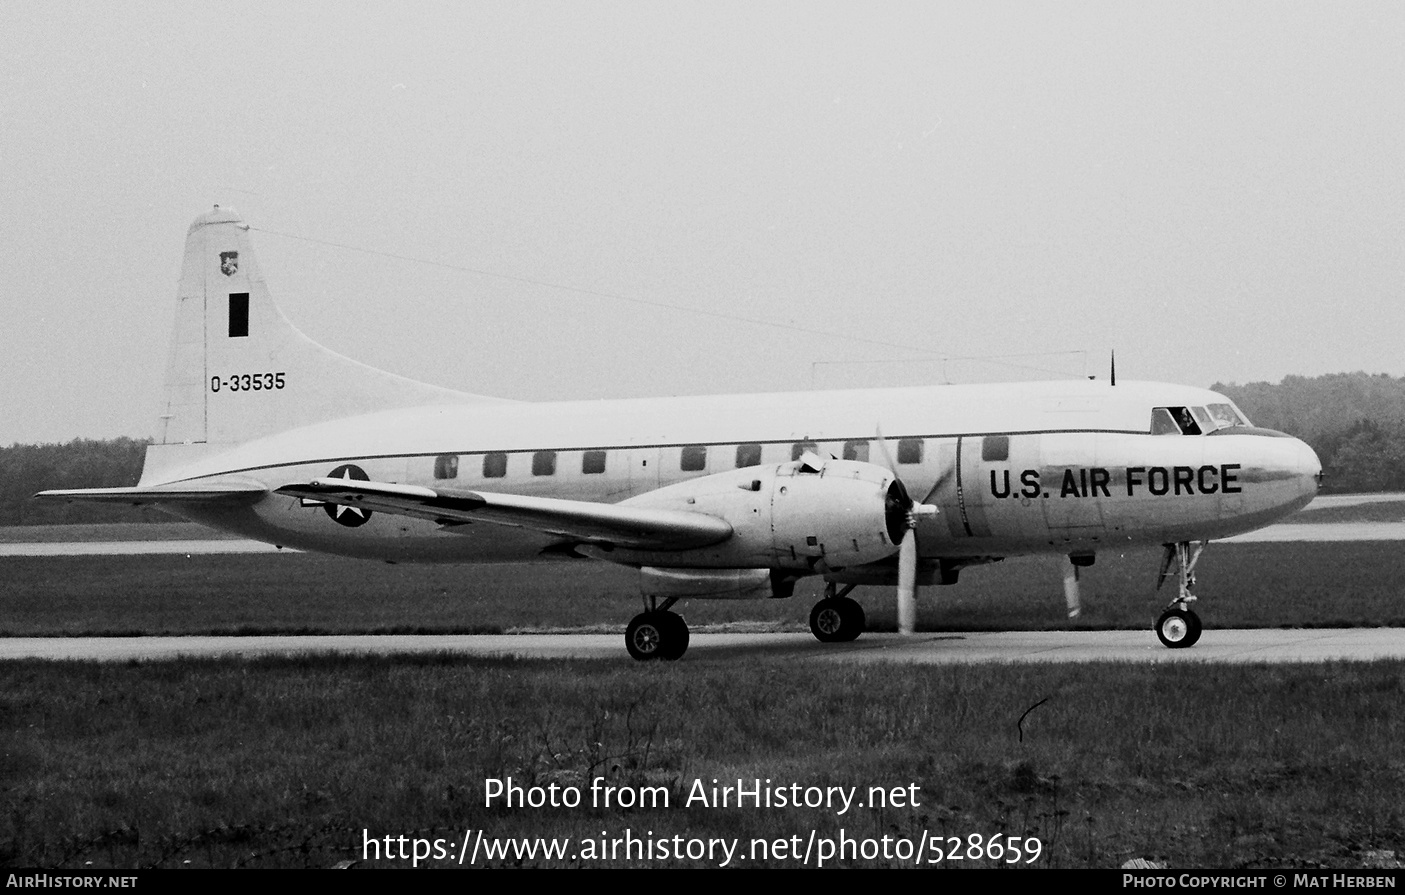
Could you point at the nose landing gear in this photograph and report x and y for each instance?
(1179, 626)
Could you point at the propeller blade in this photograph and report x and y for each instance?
(1071, 594)
(907, 583)
(937, 486)
(907, 547)
(883, 449)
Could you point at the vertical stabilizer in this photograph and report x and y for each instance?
(238, 370)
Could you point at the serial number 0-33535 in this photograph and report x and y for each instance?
(247, 382)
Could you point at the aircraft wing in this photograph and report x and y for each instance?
(203, 492)
(577, 520)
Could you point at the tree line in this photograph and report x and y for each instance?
(81, 463)
(1355, 422)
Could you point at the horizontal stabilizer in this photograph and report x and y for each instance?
(577, 520)
(202, 492)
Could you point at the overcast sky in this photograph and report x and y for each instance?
(1214, 190)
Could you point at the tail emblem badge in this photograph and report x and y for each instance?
(229, 263)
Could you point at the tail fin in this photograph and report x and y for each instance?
(238, 370)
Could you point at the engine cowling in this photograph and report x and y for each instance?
(809, 515)
(708, 584)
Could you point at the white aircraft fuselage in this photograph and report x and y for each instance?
(1079, 471)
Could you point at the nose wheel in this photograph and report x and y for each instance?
(1179, 626)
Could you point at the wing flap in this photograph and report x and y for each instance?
(577, 520)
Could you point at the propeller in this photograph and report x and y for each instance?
(1071, 595)
(903, 514)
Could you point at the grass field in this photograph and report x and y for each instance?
(285, 762)
(1241, 585)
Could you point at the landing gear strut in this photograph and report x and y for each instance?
(1179, 626)
(657, 633)
(836, 618)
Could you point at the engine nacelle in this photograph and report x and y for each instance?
(809, 515)
(709, 584)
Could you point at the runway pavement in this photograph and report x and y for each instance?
(1271, 646)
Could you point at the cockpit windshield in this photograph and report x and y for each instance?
(1195, 420)
(1224, 416)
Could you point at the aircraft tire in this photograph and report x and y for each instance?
(836, 620)
(645, 636)
(656, 635)
(1178, 628)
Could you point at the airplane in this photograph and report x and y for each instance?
(269, 435)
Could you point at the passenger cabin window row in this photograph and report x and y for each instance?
(691, 458)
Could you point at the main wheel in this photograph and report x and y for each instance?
(836, 620)
(1178, 628)
(656, 635)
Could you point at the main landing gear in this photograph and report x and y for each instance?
(836, 618)
(1179, 626)
(657, 633)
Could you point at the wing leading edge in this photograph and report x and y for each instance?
(577, 520)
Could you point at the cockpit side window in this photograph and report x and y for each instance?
(1162, 423)
(1173, 421)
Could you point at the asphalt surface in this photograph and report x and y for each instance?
(1268, 646)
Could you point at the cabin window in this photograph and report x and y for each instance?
(748, 455)
(799, 449)
(856, 450)
(694, 458)
(544, 463)
(995, 448)
(494, 465)
(593, 462)
(910, 450)
(446, 466)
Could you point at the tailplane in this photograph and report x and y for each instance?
(239, 370)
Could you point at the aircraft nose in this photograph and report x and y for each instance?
(1309, 466)
(1286, 468)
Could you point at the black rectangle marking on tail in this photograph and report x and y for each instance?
(238, 315)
